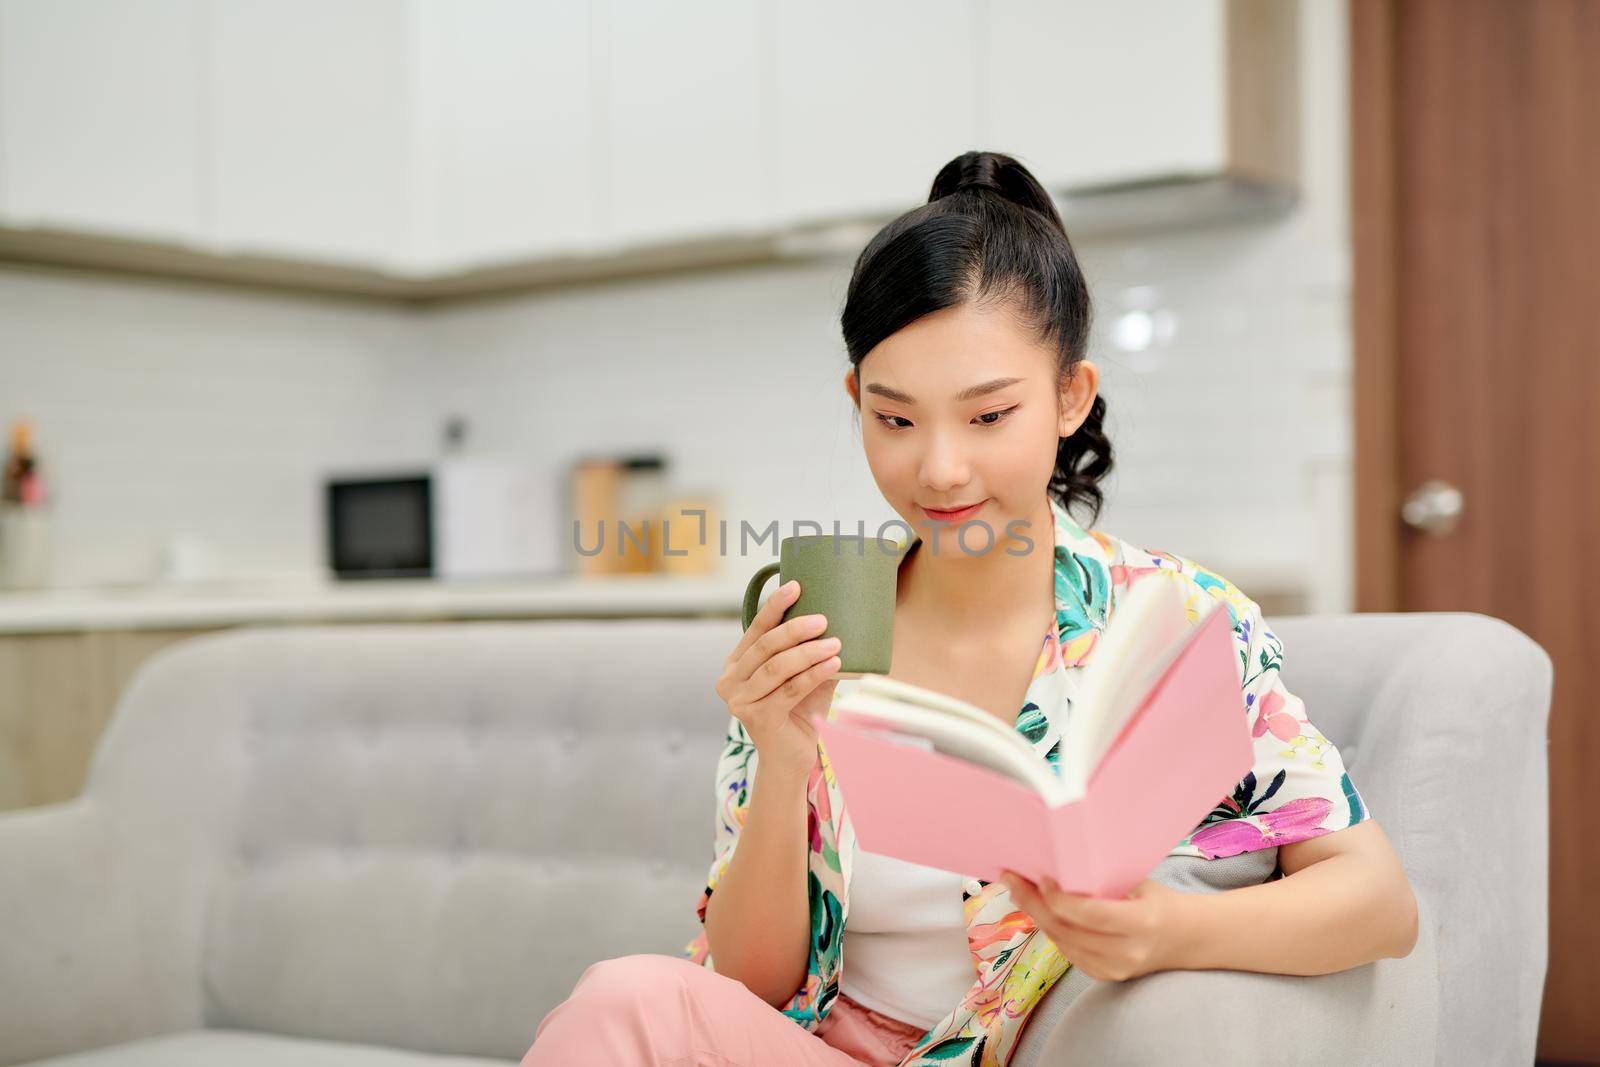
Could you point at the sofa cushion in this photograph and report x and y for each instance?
(1189, 874)
(245, 1048)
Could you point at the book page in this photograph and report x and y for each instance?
(1147, 630)
(969, 733)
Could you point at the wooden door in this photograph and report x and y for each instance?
(1476, 216)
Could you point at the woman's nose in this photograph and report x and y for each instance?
(943, 468)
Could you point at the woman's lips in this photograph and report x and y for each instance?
(955, 516)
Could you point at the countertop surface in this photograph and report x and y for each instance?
(199, 605)
(207, 604)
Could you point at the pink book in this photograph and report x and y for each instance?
(1156, 737)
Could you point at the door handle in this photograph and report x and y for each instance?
(1434, 507)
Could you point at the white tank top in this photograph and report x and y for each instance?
(905, 940)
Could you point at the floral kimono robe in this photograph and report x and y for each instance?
(1296, 789)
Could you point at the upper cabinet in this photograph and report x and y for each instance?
(101, 109)
(685, 121)
(309, 129)
(509, 159)
(428, 147)
(1092, 93)
(869, 101)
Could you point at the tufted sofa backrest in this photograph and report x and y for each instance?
(418, 835)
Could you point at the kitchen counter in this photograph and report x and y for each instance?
(197, 605)
(218, 604)
(67, 655)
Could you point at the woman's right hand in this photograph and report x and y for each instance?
(777, 677)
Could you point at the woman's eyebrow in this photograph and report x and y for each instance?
(971, 392)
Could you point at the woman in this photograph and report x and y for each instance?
(966, 324)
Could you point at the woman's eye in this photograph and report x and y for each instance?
(998, 416)
(988, 418)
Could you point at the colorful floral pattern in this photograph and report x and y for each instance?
(1306, 793)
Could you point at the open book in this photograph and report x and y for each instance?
(1157, 734)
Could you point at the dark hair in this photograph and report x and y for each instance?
(989, 232)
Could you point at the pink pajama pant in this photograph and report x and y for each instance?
(664, 1011)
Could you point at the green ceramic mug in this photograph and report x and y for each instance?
(849, 578)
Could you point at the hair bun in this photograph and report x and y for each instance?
(997, 174)
(971, 170)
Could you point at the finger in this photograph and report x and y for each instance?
(766, 618)
(1093, 913)
(1074, 941)
(1099, 952)
(784, 635)
(791, 692)
(1038, 901)
(1026, 896)
(784, 666)
(1096, 967)
(1019, 884)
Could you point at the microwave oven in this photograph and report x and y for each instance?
(454, 519)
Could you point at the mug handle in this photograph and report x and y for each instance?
(752, 592)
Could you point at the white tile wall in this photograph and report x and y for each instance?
(164, 410)
(167, 409)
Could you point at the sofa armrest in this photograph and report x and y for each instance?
(69, 960)
(1382, 1012)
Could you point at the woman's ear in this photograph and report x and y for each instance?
(850, 386)
(1078, 397)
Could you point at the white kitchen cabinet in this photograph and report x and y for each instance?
(685, 118)
(870, 101)
(433, 148)
(100, 116)
(508, 140)
(309, 120)
(1090, 93)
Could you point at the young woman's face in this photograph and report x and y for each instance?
(962, 408)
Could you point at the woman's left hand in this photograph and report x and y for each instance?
(1110, 940)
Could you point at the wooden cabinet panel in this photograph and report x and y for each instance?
(57, 693)
(49, 692)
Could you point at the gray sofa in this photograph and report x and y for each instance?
(351, 845)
